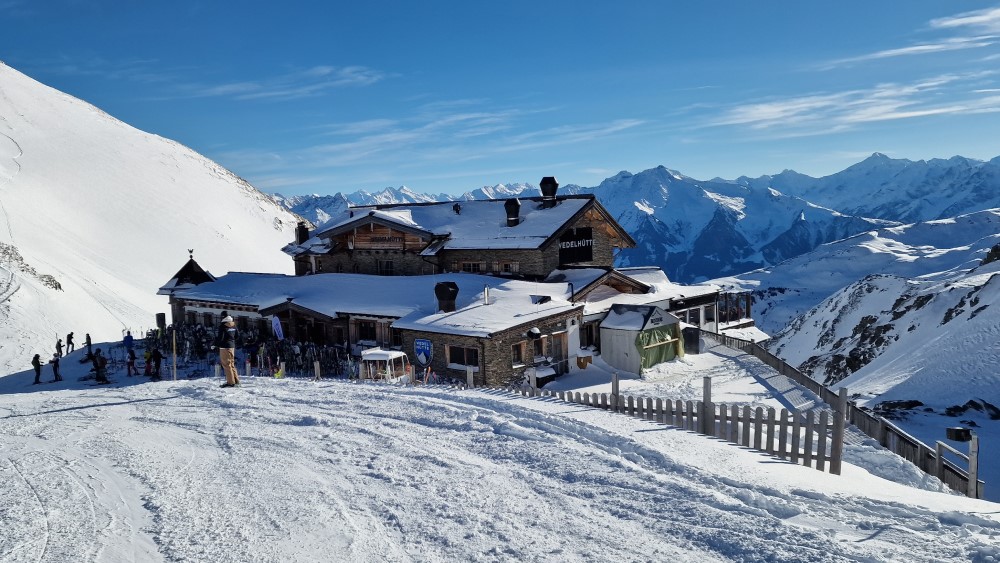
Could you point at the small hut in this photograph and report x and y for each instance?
(637, 337)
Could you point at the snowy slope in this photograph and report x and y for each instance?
(109, 212)
(291, 470)
(890, 338)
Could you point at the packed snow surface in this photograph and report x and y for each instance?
(296, 470)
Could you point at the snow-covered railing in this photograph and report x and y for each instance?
(810, 440)
(885, 432)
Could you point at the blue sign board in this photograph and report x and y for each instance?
(423, 350)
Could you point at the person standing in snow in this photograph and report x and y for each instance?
(55, 368)
(157, 357)
(37, 364)
(127, 341)
(100, 366)
(69, 343)
(59, 347)
(226, 341)
(130, 365)
(88, 343)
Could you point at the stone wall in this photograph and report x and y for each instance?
(495, 358)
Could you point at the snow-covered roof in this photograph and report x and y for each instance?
(637, 317)
(511, 303)
(462, 225)
(662, 290)
(190, 275)
(409, 298)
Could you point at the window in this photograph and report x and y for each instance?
(396, 336)
(694, 317)
(709, 313)
(517, 354)
(507, 267)
(460, 357)
(385, 267)
(366, 330)
(474, 267)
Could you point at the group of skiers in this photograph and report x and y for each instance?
(99, 361)
(226, 341)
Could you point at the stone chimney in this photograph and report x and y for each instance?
(446, 293)
(513, 208)
(301, 233)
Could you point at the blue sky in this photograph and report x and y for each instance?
(320, 97)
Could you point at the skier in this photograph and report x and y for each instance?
(55, 368)
(59, 346)
(128, 340)
(157, 357)
(69, 343)
(37, 364)
(88, 343)
(100, 367)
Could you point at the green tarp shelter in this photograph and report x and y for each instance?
(637, 337)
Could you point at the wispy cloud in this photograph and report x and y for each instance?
(450, 135)
(838, 111)
(299, 84)
(950, 44)
(987, 20)
(969, 30)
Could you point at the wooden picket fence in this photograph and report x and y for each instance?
(884, 431)
(814, 441)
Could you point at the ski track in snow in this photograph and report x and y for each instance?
(287, 470)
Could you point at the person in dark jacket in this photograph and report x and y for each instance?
(130, 366)
(69, 343)
(37, 364)
(88, 343)
(100, 367)
(226, 341)
(59, 347)
(157, 357)
(55, 368)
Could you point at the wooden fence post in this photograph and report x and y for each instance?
(770, 430)
(745, 441)
(246, 373)
(707, 414)
(615, 390)
(821, 445)
(974, 466)
(604, 401)
(796, 431)
(734, 425)
(758, 434)
(783, 434)
(839, 418)
(317, 377)
(217, 368)
(659, 410)
(807, 449)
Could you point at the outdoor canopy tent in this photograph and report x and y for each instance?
(637, 337)
(391, 365)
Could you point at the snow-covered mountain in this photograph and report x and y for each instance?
(887, 309)
(898, 189)
(694, 230)
(95, 215)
